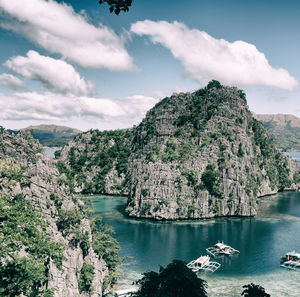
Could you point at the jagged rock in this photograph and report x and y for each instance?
(38, 181)
(96, 162)
(202, 155)
(195, 155)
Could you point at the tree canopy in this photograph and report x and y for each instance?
(252, 290)
(25, 249)
(176, 280)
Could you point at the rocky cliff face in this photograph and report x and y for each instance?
(97, 162)
(27, 173)
(195, 155)
(203, 155)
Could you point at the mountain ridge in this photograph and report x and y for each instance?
(50, 135)
(283, 128)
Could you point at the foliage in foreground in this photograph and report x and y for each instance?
(252, 290)
(175, 280)
(117, 6)
(22, 229)
(107, 248)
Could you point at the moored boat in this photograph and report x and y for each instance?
(220, 249)
(291, 260)
(203, 263)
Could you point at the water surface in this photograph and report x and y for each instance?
(261, 241)
(49, 151)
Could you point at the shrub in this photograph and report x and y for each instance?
(210, 180)
(145, 192)
(86, 278)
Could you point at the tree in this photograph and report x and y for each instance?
(252, 290)
(117, 6)
(176, 280)
(25, 249)
(214, 84)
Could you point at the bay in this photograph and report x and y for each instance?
(261, 241)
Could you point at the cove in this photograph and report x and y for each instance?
(261, 240)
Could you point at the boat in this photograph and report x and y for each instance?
(203, 263)
(122, 293)
(220, 249)
(291, 260)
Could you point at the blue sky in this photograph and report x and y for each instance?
(73, 63)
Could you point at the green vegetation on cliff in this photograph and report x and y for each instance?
(23, 229)
(44, 231)
(195, 155)
(206, 155)
(96, 154)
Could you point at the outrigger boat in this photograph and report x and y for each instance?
(220, 249)
(291, 260)
(203, 263)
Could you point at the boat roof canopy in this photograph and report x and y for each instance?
(294, 254)
(220, 245)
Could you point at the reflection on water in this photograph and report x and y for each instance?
(261, 241)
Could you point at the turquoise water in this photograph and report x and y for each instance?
(261, 241)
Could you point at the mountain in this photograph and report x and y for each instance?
(48, 246)
(195, 155)
(51, 135)
(284, 129)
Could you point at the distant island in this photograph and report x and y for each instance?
(50, 135)
(284, 129)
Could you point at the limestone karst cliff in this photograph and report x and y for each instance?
(195, 155)
(97, 162)
(202, 155)
(46, 239)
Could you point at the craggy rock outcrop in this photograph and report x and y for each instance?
(203, 155)
(97, 162)
(25, 171)
(195, 155)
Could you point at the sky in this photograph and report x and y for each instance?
(73, 63)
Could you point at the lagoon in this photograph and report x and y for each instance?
(261, 240)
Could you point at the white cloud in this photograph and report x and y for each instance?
(11, 82)
(59, 29)
(55, 75)
(58, 107)
(205, 58)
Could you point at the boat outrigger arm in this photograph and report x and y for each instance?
(220, 249)
(203, 263)
(291, 265)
